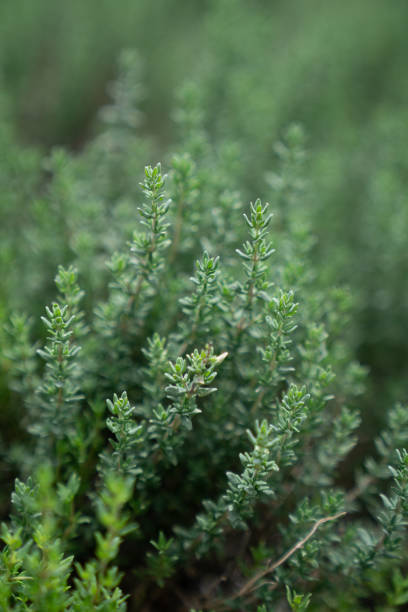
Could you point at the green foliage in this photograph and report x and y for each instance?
(297, 602)
(187, 436)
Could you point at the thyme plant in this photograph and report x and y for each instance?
(189, 408)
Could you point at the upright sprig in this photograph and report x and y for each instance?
(141, 266)
(128, 436)
(136, 274)
(276, 356)
(59, 392)
(199, 307)
(147, 248)
(255, 253)
(97, 583)
(71, 295)
(244, 302)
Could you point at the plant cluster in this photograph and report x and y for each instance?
(187, 414)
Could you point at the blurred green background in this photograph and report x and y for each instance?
(338, 68)
(57, 58)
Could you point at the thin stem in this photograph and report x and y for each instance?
(252, 583)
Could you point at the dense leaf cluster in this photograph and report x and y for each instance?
(183, 438)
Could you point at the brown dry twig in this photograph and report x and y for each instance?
(252, 583)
